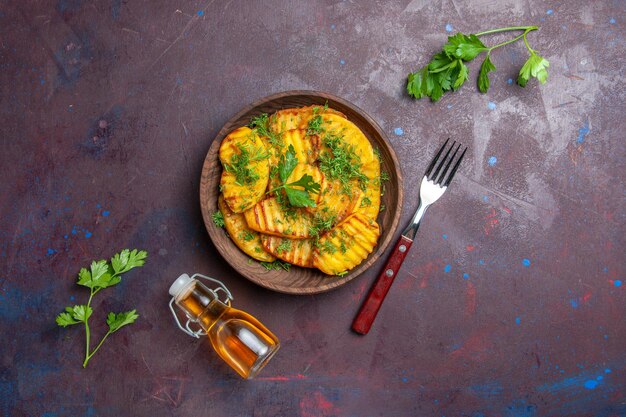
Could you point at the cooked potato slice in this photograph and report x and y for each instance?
(298, 118)
(297, 252)
(270, 218)
(369, 203)
(351, 136)
(337, 202)
(247, 240)
(347, 245)
(246, 169)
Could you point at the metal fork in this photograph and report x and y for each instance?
(434, 184)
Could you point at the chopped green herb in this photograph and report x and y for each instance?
(218, 218)
(315, 126)
(284, 246)
(277, 265)
(366, 202)
(239, 165)
(341, 163)
(382, 208)
(342, 274)
(261, 124)
(247, 235)
(328, 248)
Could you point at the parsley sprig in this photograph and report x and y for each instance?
(447, 71)
(102, 275)
(298, 197)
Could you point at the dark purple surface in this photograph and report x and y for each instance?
(509, 303)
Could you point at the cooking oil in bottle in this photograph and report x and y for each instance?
(238, 338)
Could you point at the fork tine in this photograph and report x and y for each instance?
(434, 161)
(443, 173)
(456, 166)
(443, 161)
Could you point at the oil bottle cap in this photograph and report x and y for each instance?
(180, 284)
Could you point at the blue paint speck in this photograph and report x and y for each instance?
(72, 298)
(492, 161)
(481, 262)
(445, 236)
(574, 303)
(617, 283)
(550, 11)
(398, 131)
(447, 268)
(200, 12)
(612, 21)
(526, 262)
(599, 378)
(607, 371)
(466, 276)
(485, 198)
(591, 384)
(50, 252)
(342, 62)
(65, 236)
(97, 205)
(42, 81)
(491, 105)
(449, 106)
(509, 81)
(333, 26)
(87, 235)
(106, 213)
(179, 81)
(606, 269)
(405, 379)
(583, 132)
(449, 28)
(518, 320)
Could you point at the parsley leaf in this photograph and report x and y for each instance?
(102, 275)
(447, 71)
(297, 197)
(483, 77)
(463, 47)
(119, 320)
(287, 164)
(536, 66)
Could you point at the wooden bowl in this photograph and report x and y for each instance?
(300, 280)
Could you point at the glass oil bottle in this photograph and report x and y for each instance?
(238, 338)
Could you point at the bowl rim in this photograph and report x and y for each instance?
(380, 247)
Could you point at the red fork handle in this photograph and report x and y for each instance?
(365, 318)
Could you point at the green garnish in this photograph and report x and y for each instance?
(261, 124)
(321, 224)
(341, 163)
(297, 197)
(277, 265)
(284, 246)
(239, 165)
(329, 248)
(218, 218)
(342, 274)
(365, 202)
(102, 275)
(247, 235)
(315, 125)
(447, 70)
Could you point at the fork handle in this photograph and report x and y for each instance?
(365, 318)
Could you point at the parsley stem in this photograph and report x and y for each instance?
(531, 50)
(508, 42)
(97, 347)
(524, 28)
(87, 332)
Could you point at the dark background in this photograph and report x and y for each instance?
(510, 303)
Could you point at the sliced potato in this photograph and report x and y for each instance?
(347, 245)
(247, 240)
(298, 118)
(297, 252)
(270, 218)
(337, 202)
(369, 202)
(306, 147)
(352, 137)
(246, 169)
